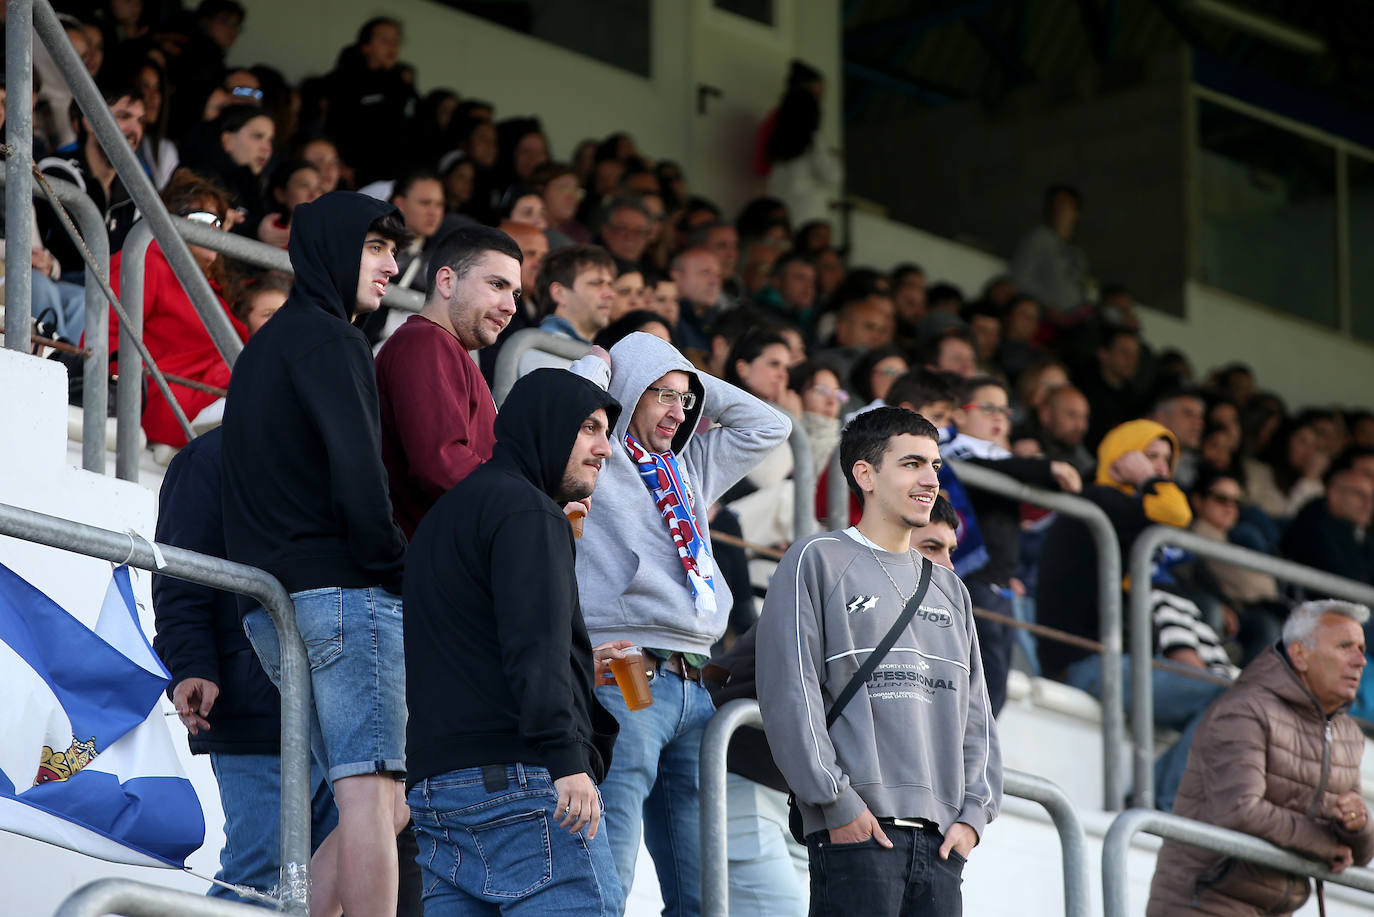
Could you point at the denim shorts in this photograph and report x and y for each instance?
(353, 639)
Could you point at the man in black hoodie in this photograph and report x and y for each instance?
(305, 498)
(506, 734)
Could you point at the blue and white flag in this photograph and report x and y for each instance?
(86, 760)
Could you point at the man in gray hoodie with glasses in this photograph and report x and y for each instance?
(645, 574)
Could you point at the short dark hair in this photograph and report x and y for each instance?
(902, 271)
(209, 9)
(461, 249)
(235, 117)
(786, 259)
(928, 352)
(748, 348)
(626, 325)
(944, 511)
(562, 265)
(392, 227)
(921, 387)
(1345, 462)
(865, 438)
(861, 376)
(805, 372)
(401, 187)
(970, 387)
(1207, 476)
(1058, 188)
(367, 28)
(942, 292)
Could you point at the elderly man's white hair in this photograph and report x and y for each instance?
(1301, 626)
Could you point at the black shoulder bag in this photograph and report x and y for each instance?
(794, 819)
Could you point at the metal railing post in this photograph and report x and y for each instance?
(135, 180)
(1072, 840)
(715, 866)
(508, 361)
(129, 387)
(1117, 844)
(1108, 607)
(1142, 630)
(18, 173)
(114, 547)
(96, 368)
(803, 481)
(139, 899)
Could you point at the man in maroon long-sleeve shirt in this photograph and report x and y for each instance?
(437, 411)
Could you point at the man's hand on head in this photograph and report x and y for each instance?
(1132, 468)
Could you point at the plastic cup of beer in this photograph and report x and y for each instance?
(576, 518)
(632, 679)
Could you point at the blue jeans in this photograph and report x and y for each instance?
(1180, 703)
(64, 302)
(868, 880)
(250, 792)
(653, 786)
(488, 852)
(768, 870)
(354, 642)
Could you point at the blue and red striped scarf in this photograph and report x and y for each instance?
(660, 473)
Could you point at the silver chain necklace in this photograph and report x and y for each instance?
(876, 560)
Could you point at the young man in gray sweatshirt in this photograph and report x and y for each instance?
(645, 574)
(896, 793)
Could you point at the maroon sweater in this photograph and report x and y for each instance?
(437, 417)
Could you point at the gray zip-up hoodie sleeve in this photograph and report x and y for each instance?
(790, 669)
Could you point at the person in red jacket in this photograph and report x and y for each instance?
(172, 330)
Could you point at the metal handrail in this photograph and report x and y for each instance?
(96, 368)
(508, 360)
(715, 880)
(1108, 606)
(1208, 837)
(803, 480)
(19, 173)
(1141, 556)
(117, 150)
(117, 548)
(139, 899)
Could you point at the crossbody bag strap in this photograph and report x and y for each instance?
(879, 651)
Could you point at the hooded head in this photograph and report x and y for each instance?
(539, 422)
(326, 248)
(639, 361)
(1132, 436)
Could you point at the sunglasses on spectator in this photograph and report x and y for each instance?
(988, 408)
(205, 217)
(247, 92)
(826, 391)
(1224, 498)
(672, 396)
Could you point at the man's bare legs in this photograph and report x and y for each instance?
(355, 869)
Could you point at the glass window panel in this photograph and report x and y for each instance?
(1267, 220)
(758, 10)
(615, 32)
(1360, 181)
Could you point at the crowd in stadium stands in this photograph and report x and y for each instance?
(1038, 375)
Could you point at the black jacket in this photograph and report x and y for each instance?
(1066, 591)
(199, 634)
(1319, 539)
(118, 210)
(498, 661)
(305, 492)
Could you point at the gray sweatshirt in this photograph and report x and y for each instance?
(629, 576)
(920, 740)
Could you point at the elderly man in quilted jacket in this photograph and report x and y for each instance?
(1276, 757)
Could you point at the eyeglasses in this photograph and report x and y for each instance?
(826, 391)
(1224, 498)
(204, 217)
(988, 408)
(672, 396)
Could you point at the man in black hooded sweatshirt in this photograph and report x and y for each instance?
(505, 734)
(305, 498)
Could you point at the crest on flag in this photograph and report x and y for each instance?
(86, 761)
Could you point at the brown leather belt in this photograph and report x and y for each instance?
(680, 667)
